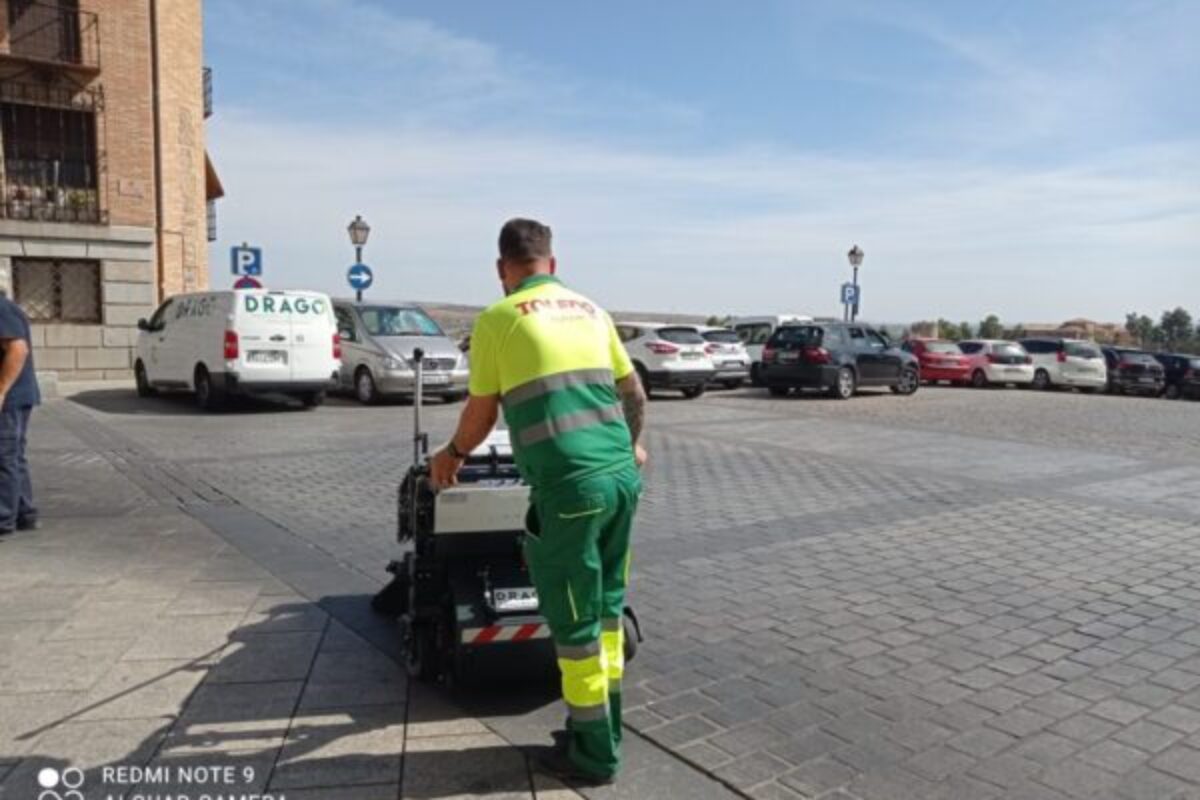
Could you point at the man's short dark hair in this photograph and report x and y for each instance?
(523, 241)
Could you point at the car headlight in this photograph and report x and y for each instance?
(392, 362)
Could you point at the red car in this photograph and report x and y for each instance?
(940, 360)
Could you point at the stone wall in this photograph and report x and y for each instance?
(128, 293)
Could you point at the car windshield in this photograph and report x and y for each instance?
(942, 347)
(680, 335)
(1080, 350)
(723, 337)
(804, 335)
(398, 321)
(1009, 350)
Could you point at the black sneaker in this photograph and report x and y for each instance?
(5, 531)
(28, 524)
(555, 762)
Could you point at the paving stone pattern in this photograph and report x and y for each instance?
(961, 594)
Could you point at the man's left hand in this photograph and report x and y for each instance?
(443, 469)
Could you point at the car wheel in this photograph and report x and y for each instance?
(910, 382)
(144, 389)
(312, 399)
(732, 384)
(692, 392)
(643, 376)
(364, 387)
(846, 384)
(208, 397)
(779, 391)
(1041, 380)
(1171, 392)
(979, 379)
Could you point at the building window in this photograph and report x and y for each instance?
(49, 171)
(211, 219)
(52, 290)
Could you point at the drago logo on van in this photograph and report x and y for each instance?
(283, 305)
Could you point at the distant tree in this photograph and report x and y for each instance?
(991, 328)
(1176, 327)
(947, 330)
(1141, 328)
(1013, 334)
(965, 331)
(717, 322)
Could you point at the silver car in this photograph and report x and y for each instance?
(378, 340)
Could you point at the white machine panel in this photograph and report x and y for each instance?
(481, 508)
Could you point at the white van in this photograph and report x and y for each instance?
(240, 342)
(754, 332)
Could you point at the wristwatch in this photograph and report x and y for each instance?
(453, 450)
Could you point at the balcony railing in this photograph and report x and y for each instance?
(52, 34)
(206, 77)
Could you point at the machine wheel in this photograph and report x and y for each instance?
(208, 397)
(364, 387)
(392, 600)
(779, 391)
(311, 399)
(732, 384)
(630, 638)
(692, 392)
(845, 386)
(420, 650)
(979, 379)
(144, 389)
(1041, 380)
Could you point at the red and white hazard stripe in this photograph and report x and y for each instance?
(506, 633)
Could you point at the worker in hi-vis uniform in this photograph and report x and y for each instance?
(574, 408)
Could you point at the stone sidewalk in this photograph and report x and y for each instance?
(142, 652)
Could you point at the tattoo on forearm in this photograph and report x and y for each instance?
(634, 404)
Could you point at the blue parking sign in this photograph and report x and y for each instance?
(245, 260)
(850, 294)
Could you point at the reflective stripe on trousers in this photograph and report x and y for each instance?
(585, 680)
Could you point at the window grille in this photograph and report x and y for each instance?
(52, 290)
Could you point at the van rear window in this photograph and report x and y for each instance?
(1080, 350)
(803, 335)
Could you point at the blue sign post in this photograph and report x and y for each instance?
(245, 260)
(360, 277)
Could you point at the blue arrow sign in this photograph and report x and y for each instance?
(359, 277)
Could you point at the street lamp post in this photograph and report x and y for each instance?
(359, 230)
(856, 258)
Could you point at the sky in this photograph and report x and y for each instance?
(1036, 160)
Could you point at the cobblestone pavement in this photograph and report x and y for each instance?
(143, 656)
(962, 594)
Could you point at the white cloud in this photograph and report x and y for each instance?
(741, 230)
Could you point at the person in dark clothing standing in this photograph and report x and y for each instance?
(18, 395)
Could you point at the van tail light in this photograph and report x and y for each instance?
(816, 355)
(768, 355)
(661, 348)
(231, 345)
(1062, 356)
(337, 347)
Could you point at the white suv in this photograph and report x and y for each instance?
(1067, 363)
(668, 356)
(728, 354)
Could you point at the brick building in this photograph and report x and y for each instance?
(106, 190)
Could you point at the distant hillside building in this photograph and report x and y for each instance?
(1103, 332)
(106, 190)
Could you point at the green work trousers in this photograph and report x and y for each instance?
(578, 552)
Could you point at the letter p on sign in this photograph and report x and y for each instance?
(245, 260)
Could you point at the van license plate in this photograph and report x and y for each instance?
(515, 600)
(266, 357)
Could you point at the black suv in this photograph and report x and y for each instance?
(837, 357)
(1178, 370)
(1133, 371)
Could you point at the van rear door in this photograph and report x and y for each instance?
(264, 336)
(312, 331)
